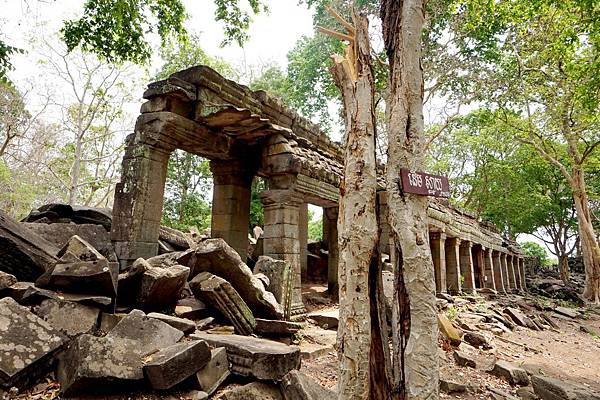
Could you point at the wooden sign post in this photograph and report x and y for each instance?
(424, 184)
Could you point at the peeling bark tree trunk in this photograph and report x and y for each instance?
(358, 228)
(414, 317)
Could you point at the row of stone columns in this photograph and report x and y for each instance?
(462, 267)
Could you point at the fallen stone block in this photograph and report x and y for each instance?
(448, 330)
(254, 390)
(279, 274)
(272, 327)
(80, 249)
(452, 387)
(222, 296)
(70, 318)
(517, 317)
(184, 325)
(526, 393)
(476, 339)
(23, 253)
(150, 334)
(298, 386)
(28, 345)
(34, 296)
(16, 291)
(217, 257)
(161, 287)
(215, 372)
(547, 388)
(83, 277)
(174, 364)
(95, 365)
(108, 321)
(6, 280)
(567, 312)
(60, 233)
(259, 358)
(129, 282)
(513, 374)
(192, 308)
(326, 319)
(464, 360)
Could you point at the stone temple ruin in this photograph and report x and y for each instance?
(104, 300)
(246, 134)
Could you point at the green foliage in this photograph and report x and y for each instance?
(182, 55)
(315, 227)
(6, 51)
(257, 213)
(275, 81)
(533, 249)
(236, 20)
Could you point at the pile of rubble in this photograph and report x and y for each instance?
(547, 283)
(186, 321)
(469, 329)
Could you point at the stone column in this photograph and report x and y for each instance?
(522, 270)
(281, 238)
(512, 279)
(437, 242)
(453, 265)
(231, 204)
(488, 269)
(504, 267)
(138, 204)
(466, 266)
(498, 275)
(303, 226)
(330, 231)
(516, 262)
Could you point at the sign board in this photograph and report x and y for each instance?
(424, 184)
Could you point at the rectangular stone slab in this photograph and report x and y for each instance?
(174, 364)
(259, 358)
(27, 344)
(213, 374)
(84, 277)
(23, 253)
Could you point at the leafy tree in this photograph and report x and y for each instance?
(315, 226)
(532, 249)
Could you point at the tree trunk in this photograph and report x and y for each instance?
(563, 265)
(414, 318)
(357, 221)
(589, 243)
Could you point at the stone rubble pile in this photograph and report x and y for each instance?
(70, 312)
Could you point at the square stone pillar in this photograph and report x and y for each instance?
(281, 240)
(522, 270)
(517, 270)
(231, 204)
(498, 275)
(504, 267)
(138, 204)
(303, 226)
(488, 273)
(466, 266)
(437, 242)
(453, 265)
(330, 231)
(512, 279)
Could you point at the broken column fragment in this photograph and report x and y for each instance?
(213, 374)
(151, 334)
(23, 253)
(279, 273)
(160, 288)
(259, 358)
(175, 363)
(72, 319)
(221, 295)
(27, 345)
(97, 277)
(217, 257)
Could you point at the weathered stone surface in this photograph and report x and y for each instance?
(258, 358)
(452, 387)
(34, 296)
(70, 318)
(129, 282)
(192, 308)
(526, 393)
(95, 365)
(513, 374)
(221, 295)
(448, 330)
(326, 319)
(59, 233)
(80, 249)
(298, 386)
(108, 321)
(273, 327)
(476, 339)
(567, 312)
(174, 364)
(16, 291)
(279, 273)
(6, 280)
(264, 279)
(464, 360)
(58, 212)
(161, 287)
(27, 344)
(183, 324)
(83, 277)
(547, 388)
(517, 317)
(23, 253)
(150, 334)
(254, 390)
(214, 373)
(217, 257)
